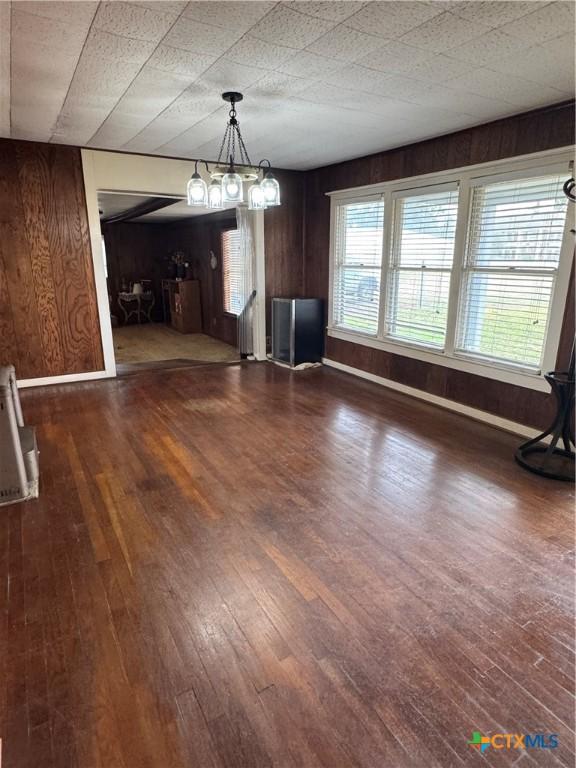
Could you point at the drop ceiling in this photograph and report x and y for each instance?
(323, 81)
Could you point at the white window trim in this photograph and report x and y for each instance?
(551, 161)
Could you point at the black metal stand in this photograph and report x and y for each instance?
(555, 462)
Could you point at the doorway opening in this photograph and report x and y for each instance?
(174, 279)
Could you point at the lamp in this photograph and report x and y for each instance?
(227, 185)
(197, 191)
(215, 195)
(232, 189)
(270, 187)
(256, 200)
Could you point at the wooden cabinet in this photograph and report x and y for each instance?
(181, 302)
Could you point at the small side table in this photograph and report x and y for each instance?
(139, 304)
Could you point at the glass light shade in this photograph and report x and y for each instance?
(271, 190)
(256, 200)
(232, 191)
(197, 190)
(215, 195)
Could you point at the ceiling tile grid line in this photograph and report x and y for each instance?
(45, 41)
(234, 52)
(102, 126)
(147, 76)
(108, 22)
(254, 31)
(436, 13)
(213, 64)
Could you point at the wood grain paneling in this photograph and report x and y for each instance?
(531, 132)
(197, 237)
(284, 241)
(48, 314)
(135, 251)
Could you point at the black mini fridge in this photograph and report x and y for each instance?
(297, 331)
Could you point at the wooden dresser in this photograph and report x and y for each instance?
(181, 303)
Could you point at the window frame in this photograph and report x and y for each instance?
(390, 258)
(223, 232)
(541, 163)
(336, 265)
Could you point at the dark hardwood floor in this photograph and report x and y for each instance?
(242, 566)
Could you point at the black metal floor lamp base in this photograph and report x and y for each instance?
(555, 463)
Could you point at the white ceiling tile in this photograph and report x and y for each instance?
(285, 26)
(105, 70)
(200, 38)
(104, 45)
(465, 103)
(407, 88)
(232, 15)
(191, 107)
(41, 78)
(28, 30)
(228, 75)
(436, 68)
(258, 53)
(277, 85)
(492, 46)
(135, 89)
(356, 77)
(75, 12)
(394, 56)
(133, 21)
(150, 93)
(329, 10)
(180, 62)
(443, 32)
(173, 7)
(546, 64)
(345, 44)
(493, 13)
(393, 18)
(116, 131)
(309, 65)
(514, 90)
(550, 21)
(5, 33)
(44, 55)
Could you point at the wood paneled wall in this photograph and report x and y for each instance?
(135, 251)
(531, 132)
(48, 313)
(284, 241)
(196, 238)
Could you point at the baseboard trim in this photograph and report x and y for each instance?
(443, 402)
(68, 378)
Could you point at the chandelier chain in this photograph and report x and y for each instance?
(243, 151)
(222, 145)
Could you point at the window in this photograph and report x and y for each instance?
(512, 255)
(232, 272)
(356, 296)
(466, 269)
(420, 266)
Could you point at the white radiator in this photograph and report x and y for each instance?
(18, 450)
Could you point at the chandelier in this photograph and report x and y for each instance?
(229, 176)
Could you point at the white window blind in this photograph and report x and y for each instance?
(512, 255)
(232, 274)
(422, 254)
(358, 263)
